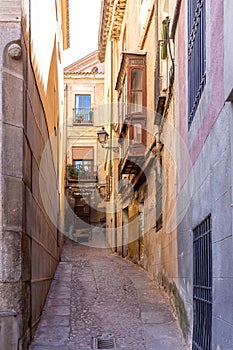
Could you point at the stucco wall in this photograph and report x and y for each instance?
(208, 180)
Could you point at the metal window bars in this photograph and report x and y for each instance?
(202, 286)
(196, 55)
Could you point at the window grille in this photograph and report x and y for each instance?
(202, 286)
(196, 54)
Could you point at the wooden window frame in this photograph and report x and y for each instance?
(130, 90)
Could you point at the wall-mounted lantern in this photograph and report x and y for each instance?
(102, 136)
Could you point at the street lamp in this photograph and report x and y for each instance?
(102, 136)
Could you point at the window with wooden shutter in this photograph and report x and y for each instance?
(83, 161)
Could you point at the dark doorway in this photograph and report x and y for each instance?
(82, 209)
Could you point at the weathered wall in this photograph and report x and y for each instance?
(228, 50)
(42, 233)
(43, 130)
(11, 186)
(29, 240)
(209, 182)
(159, 248)
(197, 166)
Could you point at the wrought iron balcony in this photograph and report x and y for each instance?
(82, 116)
(81, 175)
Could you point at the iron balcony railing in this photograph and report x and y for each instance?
(74, 174)
(82, 116)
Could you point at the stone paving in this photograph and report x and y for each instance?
(100, 301)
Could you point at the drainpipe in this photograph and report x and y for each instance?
(111, 116)
(175, 19)
(158, 150)
(156, 54)
(66, 128)
(156, 72)
(160, 127)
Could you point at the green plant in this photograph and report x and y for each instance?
(72, 173)
(79, 117)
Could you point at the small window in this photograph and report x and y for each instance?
(83, 112)
(136, 91)
(131, 83)
(95, 70)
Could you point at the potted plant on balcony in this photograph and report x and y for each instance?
(72, 173)
(79, 117)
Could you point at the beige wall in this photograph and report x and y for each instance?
(31, 108)
(157, 250)
(85, 135)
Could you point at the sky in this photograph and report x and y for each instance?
(84, 28)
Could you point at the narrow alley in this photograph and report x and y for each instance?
(116, 130)
(100, 301)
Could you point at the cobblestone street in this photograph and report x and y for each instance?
(100, 301)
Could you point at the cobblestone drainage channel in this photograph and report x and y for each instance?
(104, 342)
